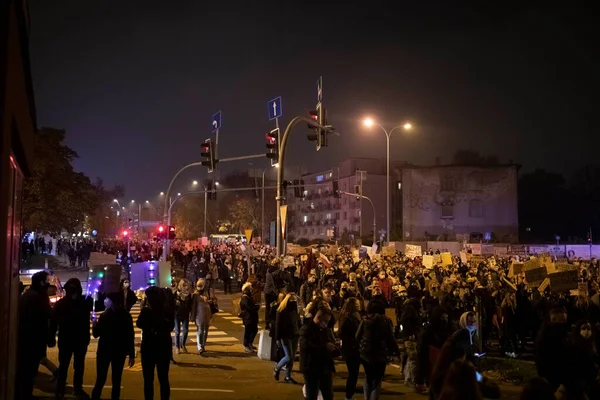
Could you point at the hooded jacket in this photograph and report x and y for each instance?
(34, 314)
(465, 341)
(71, 316)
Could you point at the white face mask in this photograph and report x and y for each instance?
(586, 333)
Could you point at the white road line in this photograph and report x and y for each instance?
(238, 322)
(229, 318)
(216, 340)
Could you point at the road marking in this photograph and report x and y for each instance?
(202, 390)
(231, 317)
(225, 313)
(238, 322)
(217, 339)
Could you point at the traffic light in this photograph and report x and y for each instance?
(160, 232)
(273, 146)
(171, 230)
(336, 189)
(125, 233)
(357, 191)
(319, 134)
(208, 153)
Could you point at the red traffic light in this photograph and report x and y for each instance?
(125, 233)
(161, 228)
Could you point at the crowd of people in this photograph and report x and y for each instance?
(340, 305)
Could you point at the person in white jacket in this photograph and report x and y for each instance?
(201, 314)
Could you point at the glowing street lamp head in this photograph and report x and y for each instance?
(276, 165)
(115, 201)
(407, 126)
(162, 193)
(178, 194)
(216, 183)
(195, 183)
(132, 201)
(368, 122)
(147, 202)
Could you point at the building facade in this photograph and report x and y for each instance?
(460, 203)
(319, 214)
(17, 121)
(440, 202)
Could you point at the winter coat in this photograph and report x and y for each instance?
(376, 339)
(156, 329)
(115, 330)
(287, 322)
(551, 353)
(347, 333)
(34, 315)
(200, 309)
(314, 356)
(71, 318)
(249, 310)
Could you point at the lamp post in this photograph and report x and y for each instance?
(368, 122)
(118, 214)
(262, 211)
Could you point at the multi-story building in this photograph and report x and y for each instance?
(320, 214)
(441, 202)
(460, 203)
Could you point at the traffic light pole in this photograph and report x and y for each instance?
(372, 206)
(167, 214)
(281, 248)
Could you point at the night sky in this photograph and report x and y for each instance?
(135, 82)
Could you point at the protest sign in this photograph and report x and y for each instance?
(533, 263)
(428, 261)
(561, 267)
(288, 261)
(561, 282)
(101, 258)
(437, 259)
(374, 248)
(388, 251)
(463, 257)
(475, 248)
(476, 260)
(535, 276)
(510, 284)
(545, 283)
(412, 251)
(517, 250)
(446, 259)
(515, 269)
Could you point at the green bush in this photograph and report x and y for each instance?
(509, 369)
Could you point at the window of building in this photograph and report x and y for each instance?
(305, 193)
(319, 178)
(312, 231)
(447, 210)
(312, 205)
(319, 190)
(305, 218)
(329, 175)
(475, 208)
(399, 185)
(337, 215)
(359, 213)
(345, 215)
(447, 184)
(328, 216)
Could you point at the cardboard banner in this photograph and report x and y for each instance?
(536, 276)
(533, 263)
(476, 260)
(388, 251)
(437, 259)
(517, 250)
(463, 257)
(248, 234)
(562, 267)
(545, 283)
(412, 251)
(561, 282)
(428, 261)
(582, 288)
(515, 269)
(446, 259)
(102, 259)
(475, 248)
(112, 278)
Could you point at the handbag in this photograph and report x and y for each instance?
(214, 306)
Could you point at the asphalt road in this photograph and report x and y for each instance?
(224, 371)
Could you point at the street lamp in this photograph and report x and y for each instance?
(195, 183)
(162, 193)
(147, 202)
(216, 183)
(369, 122)
(132, 201)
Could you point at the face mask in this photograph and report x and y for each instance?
(471, 328)
(381, 276)
(126, 285)
(586, 333)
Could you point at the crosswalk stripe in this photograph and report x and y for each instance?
(217, 339)
(238, 322)
(231, 317)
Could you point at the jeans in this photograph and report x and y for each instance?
(289, 347)
(374, 375)
(250, 332)
(64, 359)
(151, 360)
(316, 382)
(201, 335)
(179, 322)
(353, 364)
(116, 362)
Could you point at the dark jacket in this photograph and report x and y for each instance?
(347, 333)
(249, 310)
(183, 305)
(551, 354)
(71, 318)
(314, 356)
(115, 330)
(34, 315)
(376, 339)
(287, 322)
(156, 329)
(434, 335)
(128, 298)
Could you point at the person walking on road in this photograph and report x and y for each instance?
(183, 307)
(115, 330)
(156, 349)
(348, 326)
(200, 312)
(34, 315)
(249, 314)
(71, 318)
(287, 325)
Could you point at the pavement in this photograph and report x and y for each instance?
(224, 371)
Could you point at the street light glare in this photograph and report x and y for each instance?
(115, 201)
(276, 165)
(147, 202)
(162, 193)
(216, 183)
(178, 194)
(369, 122)
(195, 183)
(133, 201)
(407, 126)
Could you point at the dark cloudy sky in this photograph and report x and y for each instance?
(135, 82)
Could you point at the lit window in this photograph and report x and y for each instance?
(319, 178)
(305, 193)
(399, 185)
(328, 216)
(306, 218)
